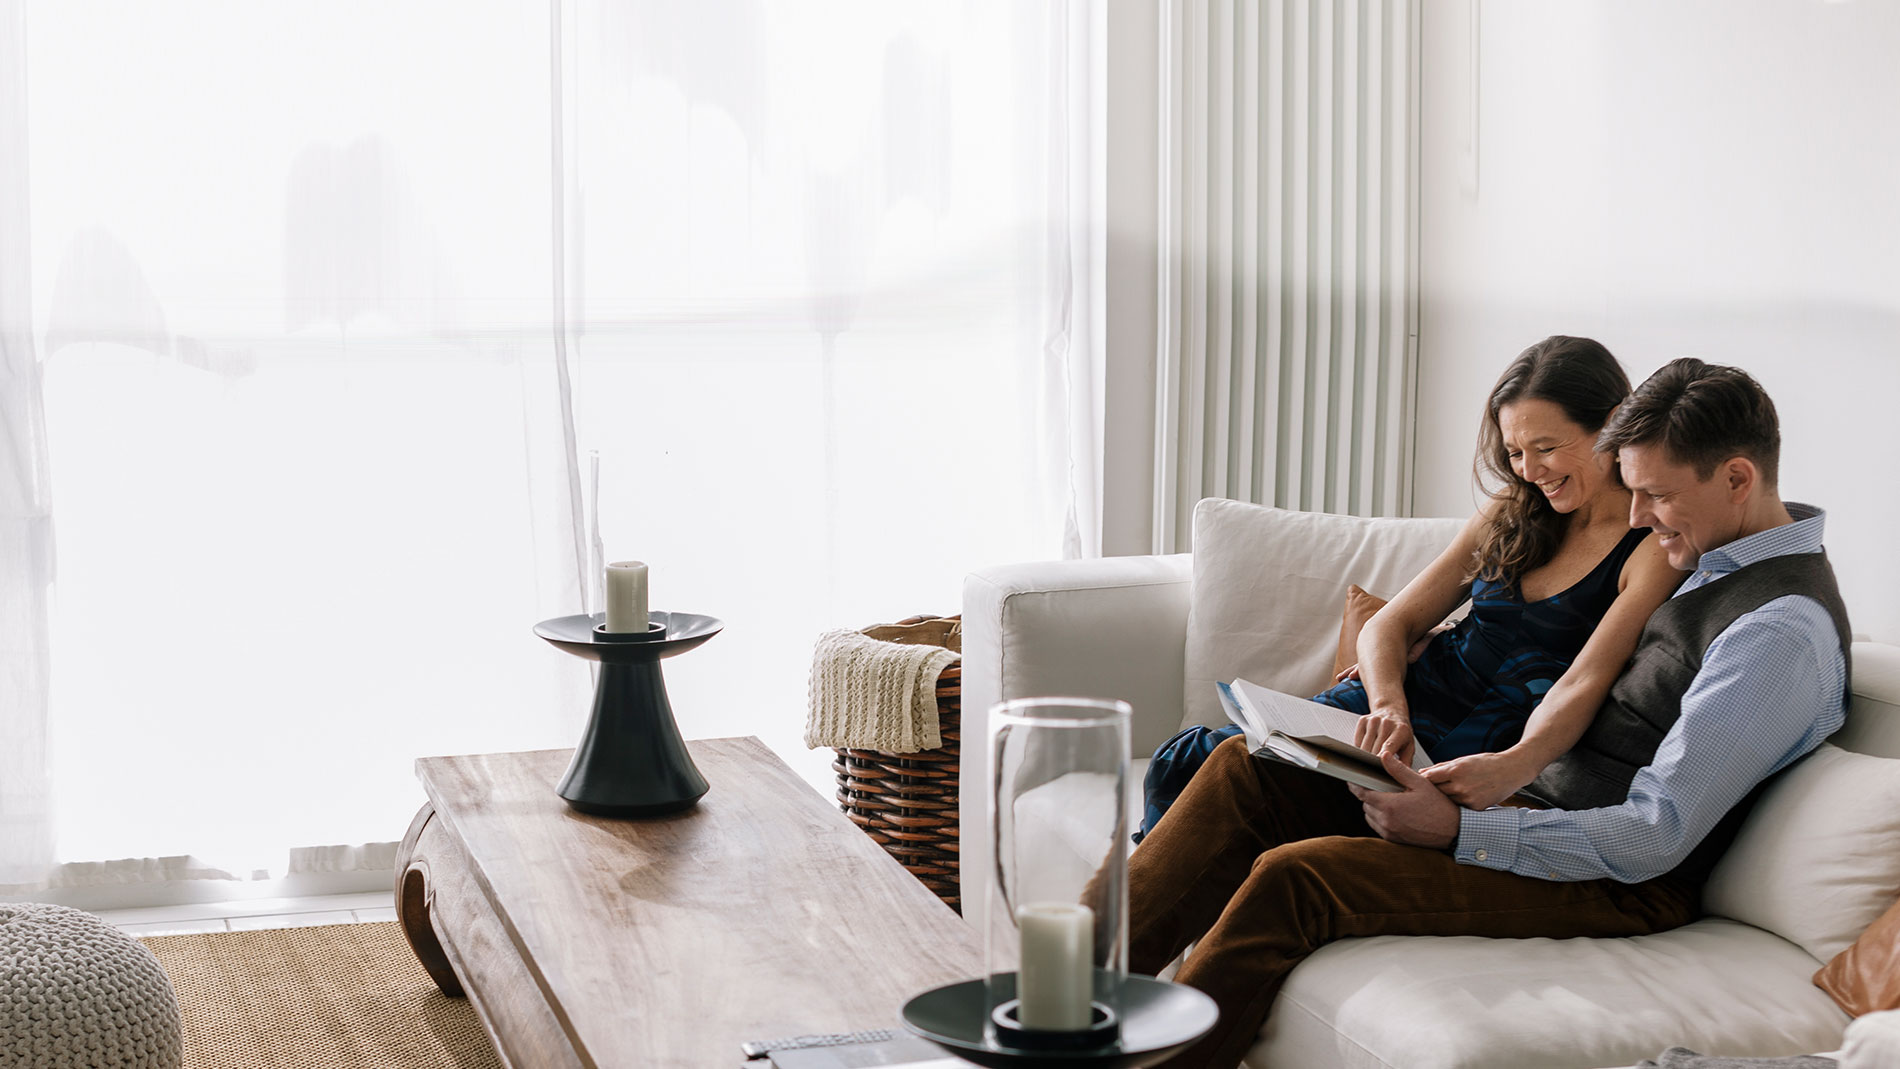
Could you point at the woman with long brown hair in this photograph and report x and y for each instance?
(1560, 586)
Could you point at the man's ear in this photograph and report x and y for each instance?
(1741, 476)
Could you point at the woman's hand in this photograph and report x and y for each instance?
(1386, 731)
(1481, 780)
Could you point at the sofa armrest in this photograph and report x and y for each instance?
(1111, 627)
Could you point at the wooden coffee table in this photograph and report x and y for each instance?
(761, 912)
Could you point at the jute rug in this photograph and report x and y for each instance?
(348, 996)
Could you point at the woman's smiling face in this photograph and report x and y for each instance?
(1551, 452)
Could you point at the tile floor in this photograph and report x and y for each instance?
(254, 915)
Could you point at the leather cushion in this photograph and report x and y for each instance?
(1359, 608)
(1865, 978)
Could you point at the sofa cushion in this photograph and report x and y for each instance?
(1819, 858)
(1268, 584)
(1474, 1003)
(1359, 608)
(1865, 978)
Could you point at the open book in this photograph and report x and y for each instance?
(1306, 733)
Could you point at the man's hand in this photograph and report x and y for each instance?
(1481, 780)
(1386, 731)
(1418, 816)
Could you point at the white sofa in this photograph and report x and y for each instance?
(1261, 598)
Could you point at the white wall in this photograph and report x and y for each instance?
(1717, 178)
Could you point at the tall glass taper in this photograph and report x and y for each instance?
(1056, 946)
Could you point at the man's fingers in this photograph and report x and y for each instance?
(1403, 772)
(1375, 819)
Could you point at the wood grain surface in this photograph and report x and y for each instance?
(759, 913)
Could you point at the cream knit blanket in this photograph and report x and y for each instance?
(868, 694)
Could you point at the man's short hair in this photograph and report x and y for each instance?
(1702, 414)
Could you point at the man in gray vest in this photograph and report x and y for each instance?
(1738, 675)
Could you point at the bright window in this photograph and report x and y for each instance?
(303, 279)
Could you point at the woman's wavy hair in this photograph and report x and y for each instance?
(1577, 375)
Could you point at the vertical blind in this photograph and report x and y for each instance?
(1288, 306)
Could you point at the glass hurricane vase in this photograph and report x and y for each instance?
(1056, 943)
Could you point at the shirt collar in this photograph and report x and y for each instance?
(1801, 536)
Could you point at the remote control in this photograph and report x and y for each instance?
(759, 1048)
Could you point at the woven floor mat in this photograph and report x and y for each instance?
(348, 996)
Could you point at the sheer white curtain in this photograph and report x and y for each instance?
(290, 289)
(829, 321)
(302, 288)
(26, 535)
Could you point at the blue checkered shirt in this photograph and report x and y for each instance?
(1770, 690)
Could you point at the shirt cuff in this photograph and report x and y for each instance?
(1488, 837)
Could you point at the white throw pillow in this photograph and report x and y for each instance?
(1819, 858)
(1270, 585)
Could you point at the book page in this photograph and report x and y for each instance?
(1310, 721)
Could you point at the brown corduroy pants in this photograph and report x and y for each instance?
(1264, 863)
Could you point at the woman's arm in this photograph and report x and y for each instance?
(1422, 605)
(1483, 780)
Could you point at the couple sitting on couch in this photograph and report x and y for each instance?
(1661, 715)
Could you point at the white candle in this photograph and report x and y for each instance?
(1058, 965)
(627, 597)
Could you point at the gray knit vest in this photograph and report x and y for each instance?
(1646, 700)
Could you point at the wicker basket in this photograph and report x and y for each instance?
(907, 802)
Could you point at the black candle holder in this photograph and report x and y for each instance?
(631, 762)
(1157, 1020)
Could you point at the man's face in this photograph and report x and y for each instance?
(1689, 515)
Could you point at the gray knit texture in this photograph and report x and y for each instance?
(77, 993)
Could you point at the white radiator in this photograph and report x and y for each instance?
(1288, 323)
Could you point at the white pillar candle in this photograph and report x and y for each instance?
(627, 597)
(1056, 979)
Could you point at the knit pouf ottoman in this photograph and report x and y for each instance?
(77, 993)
